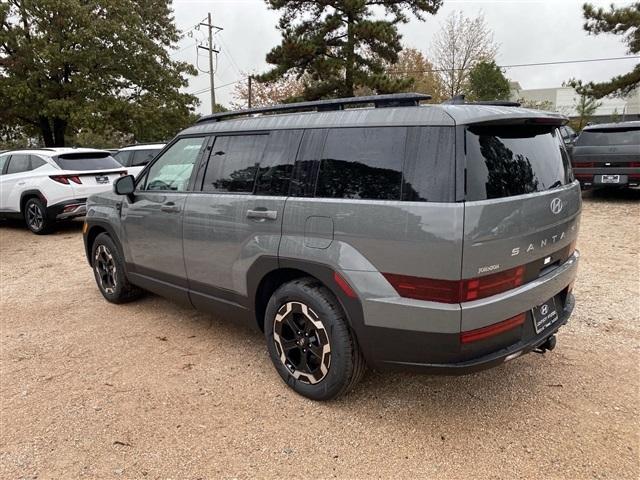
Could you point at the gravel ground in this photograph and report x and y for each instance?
(154, 390)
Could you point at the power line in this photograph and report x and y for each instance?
(518, 65)
(204, 90)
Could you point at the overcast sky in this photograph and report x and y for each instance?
(527, 31)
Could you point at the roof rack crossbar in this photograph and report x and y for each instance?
(378, 101)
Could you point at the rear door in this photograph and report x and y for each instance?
(522, 206)
(14, 181)
(237, 216)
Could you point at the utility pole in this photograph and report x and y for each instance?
(250, 79)
(210, 48)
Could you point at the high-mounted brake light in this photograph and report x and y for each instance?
(456, 291)
(492, 330)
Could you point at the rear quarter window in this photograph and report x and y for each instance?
(508, 160)
(87, 161)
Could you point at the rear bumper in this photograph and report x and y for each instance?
(401, 333)
(68, 209)
(593, 177)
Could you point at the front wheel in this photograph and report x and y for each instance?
(108, 269)
(310, 342)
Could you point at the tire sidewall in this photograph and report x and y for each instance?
(104, 239)
(333, 320)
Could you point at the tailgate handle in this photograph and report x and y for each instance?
(262, 214)
(170, 207)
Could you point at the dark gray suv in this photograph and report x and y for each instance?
(434, 237)
(608, 155)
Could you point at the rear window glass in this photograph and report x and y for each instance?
(362, 163)
(87, 161)
(142, 157)
(508, 160)
(594, 138)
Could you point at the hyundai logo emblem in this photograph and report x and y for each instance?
(556, 205)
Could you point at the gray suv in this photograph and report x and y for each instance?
(608, 155)
(439, 238)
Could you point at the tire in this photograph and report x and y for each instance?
(310, 342)
(108, 270)
(36, 217)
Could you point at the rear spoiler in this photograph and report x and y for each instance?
(551, 120)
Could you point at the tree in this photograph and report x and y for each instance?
(337, 46)
(623, 21)
(460, 45)
(283, 90)
(487, 82)
(413, 65)
(535, 104)
(66, 65)
(585, 108)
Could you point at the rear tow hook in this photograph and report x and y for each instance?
(549, 344)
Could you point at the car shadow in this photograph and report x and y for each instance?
(61, 228)
(620, 195)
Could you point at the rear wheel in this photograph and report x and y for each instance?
(36, 218)
(310, 342)
(108, 269)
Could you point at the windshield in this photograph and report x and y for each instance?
(608, 137)
(508, 160)
(87, 161)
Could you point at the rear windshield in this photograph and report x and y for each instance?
(508, 160)
(594, 138)
(87, 161)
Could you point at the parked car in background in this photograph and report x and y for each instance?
(135, 157)
(569, 135)
(439, 238)
(608, 155)
(50, 184)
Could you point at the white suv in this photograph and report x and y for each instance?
(49, 184)
(135, 157)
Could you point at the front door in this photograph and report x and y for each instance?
(152, 219)
(237, 217)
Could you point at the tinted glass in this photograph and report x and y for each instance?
(362, 163)
(18, 163)
(429, 172)
(233, 163)
(140, 158)
(87, 161)
(305, 170)
(36, 162)
(276, 165)
(503, 161)
(593, 138)
(123, 157)
(172, 170)
(3, 160)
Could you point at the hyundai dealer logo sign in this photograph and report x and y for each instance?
(556, 205)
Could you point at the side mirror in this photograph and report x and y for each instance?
(124, 185)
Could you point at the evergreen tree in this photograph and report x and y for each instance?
(337, 46)
(487, 82)
(623, 21)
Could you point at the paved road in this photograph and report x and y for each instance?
(155, 390)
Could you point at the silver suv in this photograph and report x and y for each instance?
(434, 237)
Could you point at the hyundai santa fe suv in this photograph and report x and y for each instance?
(608, 155)
(439, 238)
(47, 185)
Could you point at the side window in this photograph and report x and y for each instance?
(305, 170)
(362, 163)
(36, 162)
(3, 161)
(140, 158)
(172, 170)
(233, 163)
(18, 163)
(429, 172)
(123, 157)
(275, 169)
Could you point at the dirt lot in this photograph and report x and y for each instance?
(153, 390)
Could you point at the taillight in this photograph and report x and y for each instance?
(492, 330)
(456, 291)
(64, 179)
(634, 164)
(584, 165)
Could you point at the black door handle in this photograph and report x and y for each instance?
(170, 207)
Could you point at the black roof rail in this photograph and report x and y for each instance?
(378, 101)
(459, 100)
